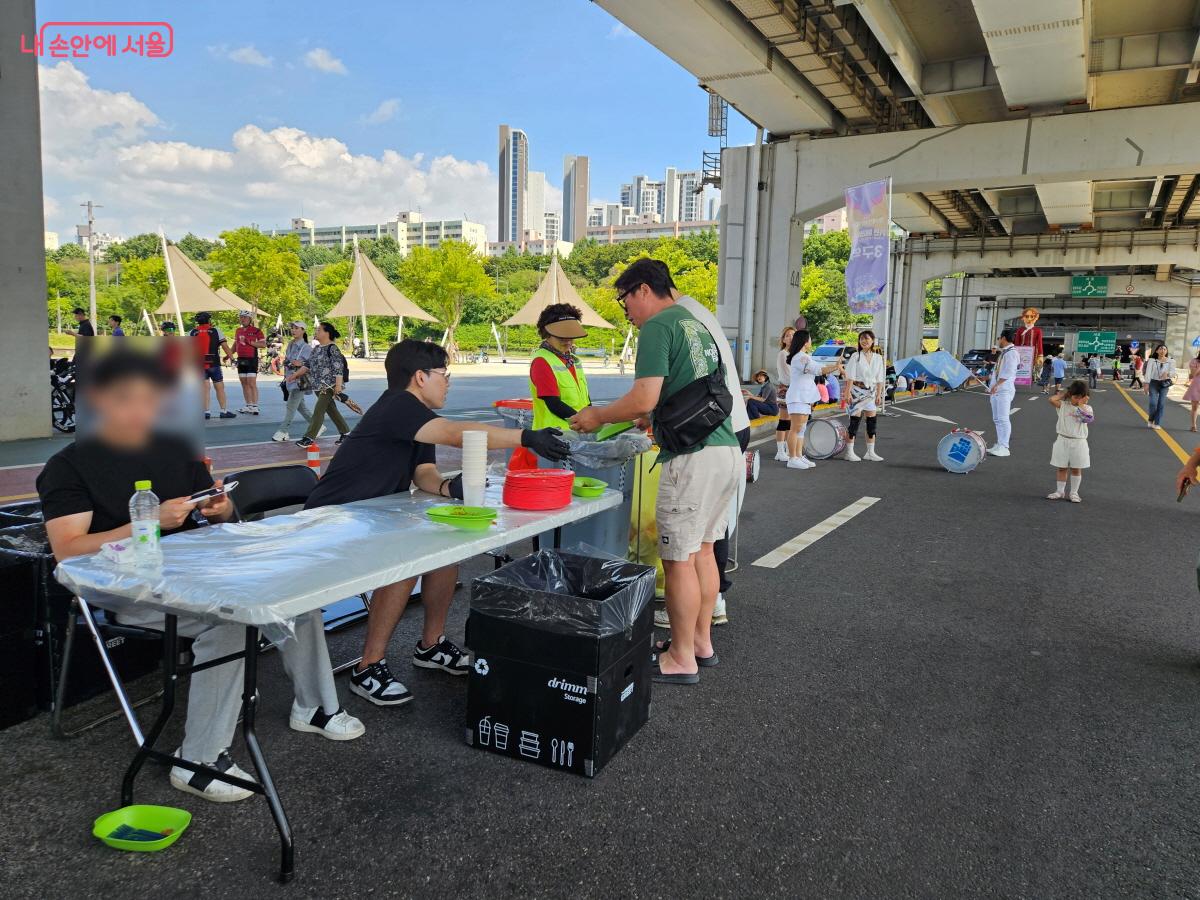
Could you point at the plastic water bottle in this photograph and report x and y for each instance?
(143, 514)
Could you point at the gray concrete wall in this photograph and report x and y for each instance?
(23, 355)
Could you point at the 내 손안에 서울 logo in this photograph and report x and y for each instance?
(575, 693)
(82, 40)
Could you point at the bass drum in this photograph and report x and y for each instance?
(825, 438)
(753, 462)
(961, 451)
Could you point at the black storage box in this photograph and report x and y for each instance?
(33, 629)
(561, 648)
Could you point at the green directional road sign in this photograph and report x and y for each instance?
(1096, 342)
(1089, 285)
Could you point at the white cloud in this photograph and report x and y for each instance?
(619, 31)
(248, 55)
(104, 143)
(323, 61)
(384, 112)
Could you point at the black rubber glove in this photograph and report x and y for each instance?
(546, 443)
(455, 488)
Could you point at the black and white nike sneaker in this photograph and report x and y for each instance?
(377, 684)
(443, 655)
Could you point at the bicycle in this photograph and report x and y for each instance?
(62, 396)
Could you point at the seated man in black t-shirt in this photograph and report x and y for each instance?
(85, 490)
(390, 450)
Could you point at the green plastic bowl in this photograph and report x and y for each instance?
(466, 518)
(588, 487)
(145, 818)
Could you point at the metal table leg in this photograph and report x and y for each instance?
(558, 538)
(249, 707)
(146, 746)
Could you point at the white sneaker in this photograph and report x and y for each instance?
(801, 462)
(1075, 498)
(206, 786)
(872, 455)
(781, 454)
(281, 436)
(997, 450)
(341, 726)
(324, 429)
(661, 619)
(1057, 495)
(244, 409)
(849, 455)
(720, 617)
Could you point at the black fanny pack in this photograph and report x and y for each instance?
(684, 420)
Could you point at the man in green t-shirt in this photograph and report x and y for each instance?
(696, 488)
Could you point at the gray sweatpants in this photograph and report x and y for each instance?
(215, 696)
(295, 401)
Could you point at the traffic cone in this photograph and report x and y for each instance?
(314, 459)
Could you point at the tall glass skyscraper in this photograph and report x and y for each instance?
(514, 176)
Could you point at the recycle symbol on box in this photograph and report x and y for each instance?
(481, 666)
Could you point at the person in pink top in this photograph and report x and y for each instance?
(1192, 394)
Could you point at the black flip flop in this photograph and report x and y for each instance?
(679, 678)
(706, 662)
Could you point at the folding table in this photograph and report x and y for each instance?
(287, 566)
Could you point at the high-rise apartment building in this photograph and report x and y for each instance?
(596, 214)
(514, 178)
(576, 188)
(553, 229)
(670, 209)
(691, 196)
(535, 201)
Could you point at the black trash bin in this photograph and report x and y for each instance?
(34, 619)
(561, 658)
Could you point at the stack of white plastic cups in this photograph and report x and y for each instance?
(474, 467)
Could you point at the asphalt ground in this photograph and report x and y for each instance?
(965, 691)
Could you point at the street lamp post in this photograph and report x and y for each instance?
(91, 238)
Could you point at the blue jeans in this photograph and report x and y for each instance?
(1158, 399)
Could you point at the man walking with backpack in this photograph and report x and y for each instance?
(679, 378)
(210, 344)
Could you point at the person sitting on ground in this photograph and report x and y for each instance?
(764, 401)
(85, 490)
(557, 384)
(390, 450)
(1070, 454)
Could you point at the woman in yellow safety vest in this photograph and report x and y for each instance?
(557, 384)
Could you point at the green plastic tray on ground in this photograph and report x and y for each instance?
(144, 818)
(588, 487)
(468, 518)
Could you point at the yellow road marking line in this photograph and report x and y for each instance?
(1161, 432)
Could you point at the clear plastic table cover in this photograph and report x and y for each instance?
(267, 573)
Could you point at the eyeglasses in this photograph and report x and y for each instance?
(621, 297)
(445, 373)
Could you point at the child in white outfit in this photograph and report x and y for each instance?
(1070, 454)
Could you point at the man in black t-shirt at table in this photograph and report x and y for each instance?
(389, 451)
(85, 490)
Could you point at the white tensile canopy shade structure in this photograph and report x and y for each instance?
(555, 288)
(190, 288)
(371, 294)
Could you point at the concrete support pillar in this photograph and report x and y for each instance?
(22, 255)
(1182, 328)
(956, 321)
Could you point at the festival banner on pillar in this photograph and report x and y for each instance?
(868, 216)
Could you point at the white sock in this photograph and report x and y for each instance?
(1075, 479)
(1062, 488)
(781, 446)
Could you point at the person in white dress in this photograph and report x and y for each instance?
(783, 377)
(865, 382)
(802, 393)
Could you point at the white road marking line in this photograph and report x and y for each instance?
(768, 439)
(786, 551)
(930, 418)
(1014, 410)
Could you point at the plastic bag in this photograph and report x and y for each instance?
(580, 592)
(615, 451)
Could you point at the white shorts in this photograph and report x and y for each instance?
(799, 409)
(1070, 453)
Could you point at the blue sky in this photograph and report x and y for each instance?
(354, 110)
